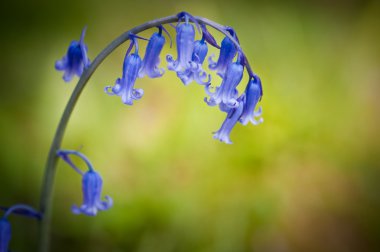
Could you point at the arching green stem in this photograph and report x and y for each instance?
(50, 168)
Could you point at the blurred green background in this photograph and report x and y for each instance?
(305, 180)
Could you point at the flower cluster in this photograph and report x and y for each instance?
(188, 67)
(91, 186)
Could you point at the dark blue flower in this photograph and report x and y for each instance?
(226, 55)
(75, 60)
(152, 56)
(252, 96)
(188, 65)
(227, 93)
(124, 86)
(5, 234)
(91, 187)
(5, 226)
(233, 115)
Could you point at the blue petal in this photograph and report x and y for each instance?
(124, 87)
(5, 234)
(185, 45)
(200, 51)
(227, 92)
(91, 188)
(252, 96)
(152, 57)
(226, 55)
(75, 59)
(223, 134)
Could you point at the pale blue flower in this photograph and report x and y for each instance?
(227, 93)
(152, 56)
(75, 59)
(253, 93)
(195, 71)
(233, 115)
(188, 65)
(91, 187)
(124, 86)
(226, 55)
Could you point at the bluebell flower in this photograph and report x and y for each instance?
(233, 115)
(5, 226)
(91, 187)
(152, 56)
(5, 234)
(75, 59)
(124, 86)
(226, 55)
(253, 93)
(195, 71)
(227, 93)
(188, 65)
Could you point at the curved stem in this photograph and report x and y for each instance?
(50, 168)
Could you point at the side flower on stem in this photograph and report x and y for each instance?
(227, 93)
(226, 55)
(188, 65)
(124, 86)
(152, 55)
(233, 115)
(5, 225)
(75, 59)
(91, 186)
(253, 93)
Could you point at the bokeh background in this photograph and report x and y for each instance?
(305, 180)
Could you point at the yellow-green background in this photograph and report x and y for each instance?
(308, 179)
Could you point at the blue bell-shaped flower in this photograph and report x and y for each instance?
(152, 56)
(5, 234)
(5, 226)
(124, 86)
(75, 59)
(226, 55)
(233, 115)
(188, 65)
(252, 96)
(91, 186)
(227, 93)
(195, 71)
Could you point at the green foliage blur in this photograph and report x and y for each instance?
(307, 179)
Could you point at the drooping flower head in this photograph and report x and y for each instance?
(253, 93)
(75, 59)
(233, 115)
(152, 55)
(124, 86)
(227, 93)
(5, 226)
(226, 55)
(188, 65)
(91, 186)
(195, 70)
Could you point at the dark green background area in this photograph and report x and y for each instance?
(307, 179)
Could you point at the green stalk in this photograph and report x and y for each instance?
(46, 197)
